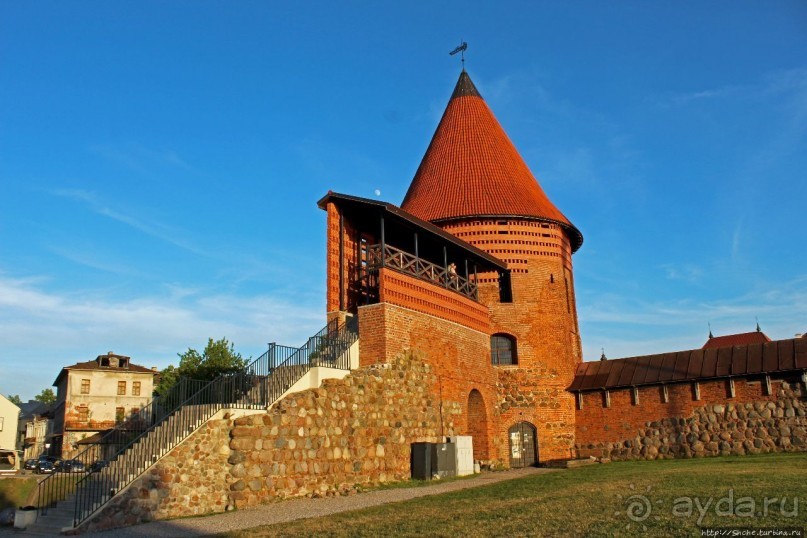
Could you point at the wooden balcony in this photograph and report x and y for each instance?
(388, 257)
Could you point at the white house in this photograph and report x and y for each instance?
(9, 415)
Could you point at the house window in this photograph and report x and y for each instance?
(121, 388)
(84, 414)
(135, 388)
(503, 350)
(120, 413)
(85, 386)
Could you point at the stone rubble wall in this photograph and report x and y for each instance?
(351, 432)
(722, 429)
(191, 480)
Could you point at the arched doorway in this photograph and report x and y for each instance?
(478, 425)
(523, 445)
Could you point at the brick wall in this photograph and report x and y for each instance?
(460, 357)
(430, 298)
(604, 431)
(543, 320)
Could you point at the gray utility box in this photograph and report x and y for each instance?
(444, 460)
(433, 459)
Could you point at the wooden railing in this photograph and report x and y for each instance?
(409, 264)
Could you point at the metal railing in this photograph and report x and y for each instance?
(99, 449)
(257, 386)
(409, 264)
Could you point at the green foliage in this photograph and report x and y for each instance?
(219, 357)
(46, 396)
(16, 491)
(15, 399)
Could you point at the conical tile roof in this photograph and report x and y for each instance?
(471, 168)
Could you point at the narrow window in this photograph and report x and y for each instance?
(665, 394)
(606, 398)
(505, 287)
(135, 388)
(120, 414)
(85, 386)
(635, 396)
(503, 350)
(768, 385)
(84, 414)
(580, 400)
(732, 392)
(121, 388)
(696, 391)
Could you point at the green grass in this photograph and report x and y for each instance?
(16, 492)
(590, 501)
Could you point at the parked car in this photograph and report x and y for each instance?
(98, 465)
(31, 465)
(45, 466)
(73, 466)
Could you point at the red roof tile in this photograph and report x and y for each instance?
(755, 337)
(471, 168)
(697, 364)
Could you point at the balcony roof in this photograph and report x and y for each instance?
(365, 211)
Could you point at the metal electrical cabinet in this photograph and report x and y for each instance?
(444, 460)
(421, 461)
(433, 459)
(465, 454)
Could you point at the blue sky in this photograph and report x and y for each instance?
(160, 162)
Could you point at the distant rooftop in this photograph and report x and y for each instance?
(739, 339)
(109, 362)
(693, 365)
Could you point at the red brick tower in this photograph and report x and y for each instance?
(473, 183)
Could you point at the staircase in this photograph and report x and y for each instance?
(67, 500)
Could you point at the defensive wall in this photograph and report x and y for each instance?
(348, 433)
(740, 400)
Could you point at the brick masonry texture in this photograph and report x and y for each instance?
(429, 298)
(542, 318)
(459, 356)
(193, 479)
(348, 432)
(749, 423)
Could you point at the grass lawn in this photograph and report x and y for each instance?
(666, 498)
(15, 491)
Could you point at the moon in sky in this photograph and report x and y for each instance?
(378, 192)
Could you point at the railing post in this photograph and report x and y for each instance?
(383, 243)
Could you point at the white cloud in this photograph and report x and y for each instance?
(41, 331)
(151, 228)
(629, 327)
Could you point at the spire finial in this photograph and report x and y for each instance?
(463, 46)
(603, 357)
(758, 329)
(710, 329)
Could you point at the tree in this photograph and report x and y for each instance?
(15, 399)
(219, 357)
(46, 396)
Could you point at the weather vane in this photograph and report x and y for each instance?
(461, 49)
